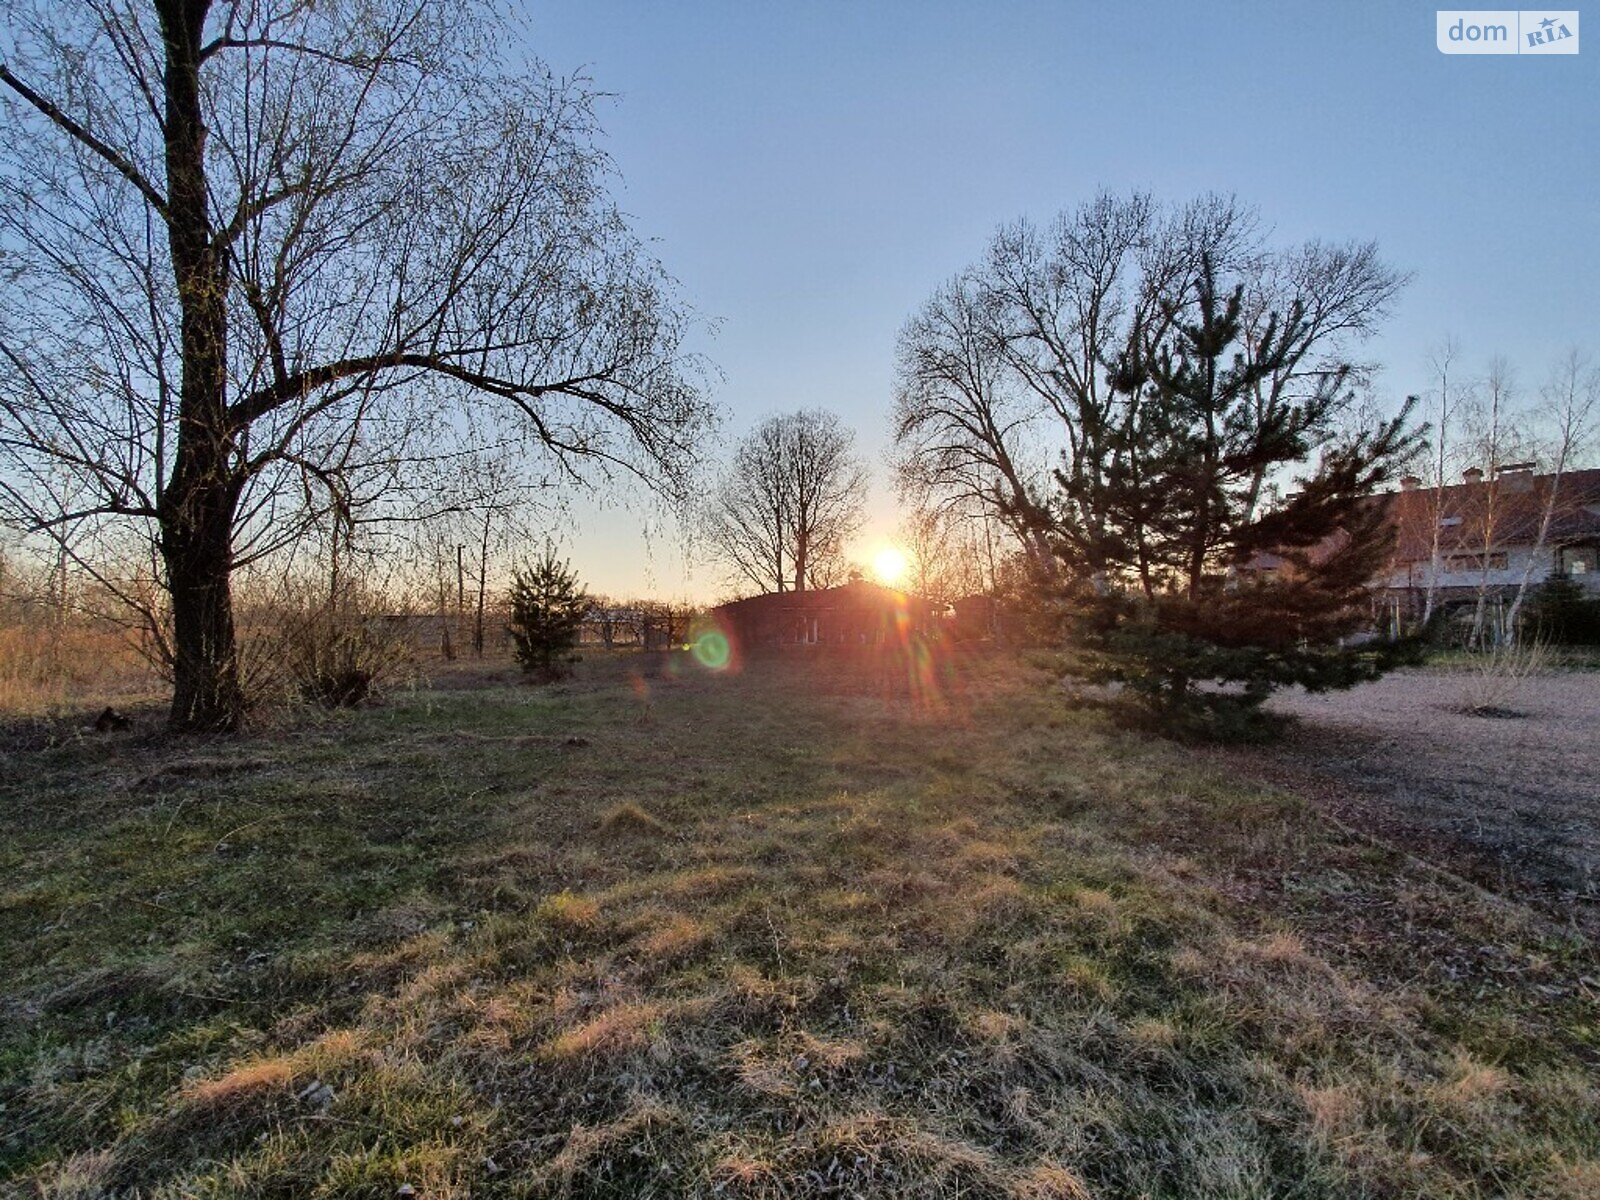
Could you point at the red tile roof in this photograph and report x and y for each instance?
(1508, 509)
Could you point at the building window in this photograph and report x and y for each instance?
(1495, 561)
(1578, 560)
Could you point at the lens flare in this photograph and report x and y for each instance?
(891, 566)
(711, 649)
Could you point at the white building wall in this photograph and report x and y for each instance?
(1518, 560)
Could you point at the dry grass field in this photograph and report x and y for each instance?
(47, 673)
(811, 929)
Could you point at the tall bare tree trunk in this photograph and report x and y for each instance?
(1443, 358)
(801, 554)
(197, 545)
(1499, 397)
(1571, 408)
(446, 648)
(483, 584)
(198, 508)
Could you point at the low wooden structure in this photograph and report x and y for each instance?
(857, 613)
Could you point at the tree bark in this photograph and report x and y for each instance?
(197, 542)
(801, 554)
(483, 584)
(197, 510)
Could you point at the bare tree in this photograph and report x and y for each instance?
(1446, 398)
(1567, 412)
(1491, 422)
(435, 555)
(1106, 275)
(789, 502)
(1341, 293)
(962, 436)
(497, 517)
(748, 516)
(1017, 360)
(256, 249)
(946, 553)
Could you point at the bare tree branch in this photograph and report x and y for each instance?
(124, 167)
(383, 242)
(790, 500)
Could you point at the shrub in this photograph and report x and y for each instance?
(1495, 677)
(333, 652)
(1565, 613)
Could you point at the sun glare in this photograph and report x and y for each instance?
(890, 566)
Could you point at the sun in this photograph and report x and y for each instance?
(891, 566)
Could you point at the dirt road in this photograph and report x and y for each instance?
(1512, 802)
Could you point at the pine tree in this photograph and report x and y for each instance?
(547, 611)
(1167, 544)
(1565, 613)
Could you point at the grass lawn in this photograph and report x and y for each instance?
(802, 930)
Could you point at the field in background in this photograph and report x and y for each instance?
(806, 930)
(60, 671)
(55, 677)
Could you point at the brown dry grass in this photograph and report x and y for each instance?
(868, 942)
(48, 671)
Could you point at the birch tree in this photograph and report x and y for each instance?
(1568, 408)
(1445, 399)
(1498, 388)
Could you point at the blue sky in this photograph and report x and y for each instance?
(810, 171)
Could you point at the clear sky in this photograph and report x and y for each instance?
(811, 171)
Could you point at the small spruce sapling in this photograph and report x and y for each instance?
(547, 611)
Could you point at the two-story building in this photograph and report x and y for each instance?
(1489, 532)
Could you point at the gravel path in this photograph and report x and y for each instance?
(1513, 801)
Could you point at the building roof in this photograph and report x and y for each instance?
(1504, 510)
(857, 594)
